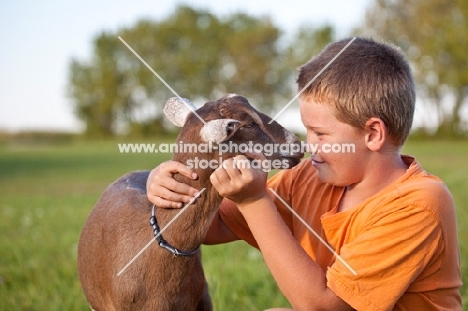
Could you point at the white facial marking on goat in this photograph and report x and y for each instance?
(231, 95)
(177, 111)
(215, 130)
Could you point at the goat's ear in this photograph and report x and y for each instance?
(177, 110)
(219, 130)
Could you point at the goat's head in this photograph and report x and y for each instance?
(231, 121)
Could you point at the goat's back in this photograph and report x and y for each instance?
(115, 231)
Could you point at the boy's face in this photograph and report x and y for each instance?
(340, 148)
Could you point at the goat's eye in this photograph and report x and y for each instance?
(250, 124)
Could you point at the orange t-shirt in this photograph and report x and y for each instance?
(401, 243)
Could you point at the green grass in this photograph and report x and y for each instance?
(448, 160)
(47, 191)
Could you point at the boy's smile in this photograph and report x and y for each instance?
(316, 163)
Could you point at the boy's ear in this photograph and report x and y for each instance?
(376, 134)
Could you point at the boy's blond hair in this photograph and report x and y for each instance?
(368, 79)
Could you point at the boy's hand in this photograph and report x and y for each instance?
(164, 191)
(240, 180)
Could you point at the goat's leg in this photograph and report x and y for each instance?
(205, 301)
(204, 304)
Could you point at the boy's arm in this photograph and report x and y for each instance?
(300, 279)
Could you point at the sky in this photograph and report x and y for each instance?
(40, 38)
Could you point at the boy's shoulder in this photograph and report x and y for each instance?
(420, 188)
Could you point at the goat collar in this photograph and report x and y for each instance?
(163, 243)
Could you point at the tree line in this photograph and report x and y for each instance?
(203, 56)
(433, 34)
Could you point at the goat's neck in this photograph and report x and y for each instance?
(188, 231)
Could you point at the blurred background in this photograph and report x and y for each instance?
(64, 69)
(70, 90)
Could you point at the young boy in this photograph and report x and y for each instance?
(392, 226)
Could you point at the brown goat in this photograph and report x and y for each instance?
(117, 228)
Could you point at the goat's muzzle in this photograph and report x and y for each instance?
(292, 159)
(293, 156)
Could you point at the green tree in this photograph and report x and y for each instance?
(197, 54)
(433, 34)
(307, 42)
(96, 87)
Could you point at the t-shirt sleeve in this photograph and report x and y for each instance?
(281, 183)
(386, 257)
(234, 220)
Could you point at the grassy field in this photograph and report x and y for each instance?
(47, 191)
